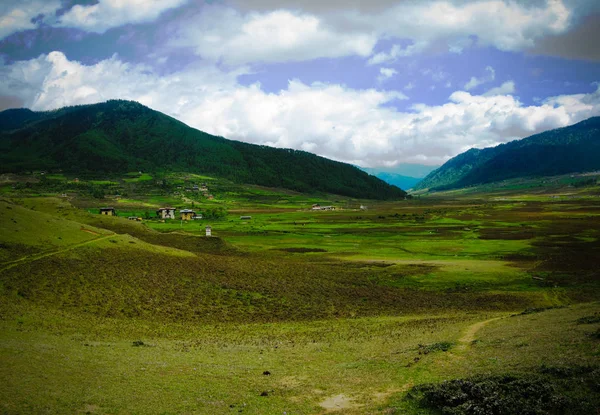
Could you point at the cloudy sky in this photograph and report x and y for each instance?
(376, 83)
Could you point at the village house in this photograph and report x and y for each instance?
(166, 213)
(208, 231)
(197, 217)
(316, 206)
(245, 217)
(186, 214)
(108, 211)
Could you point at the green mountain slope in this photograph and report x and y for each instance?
(564, 150)
(122, 136)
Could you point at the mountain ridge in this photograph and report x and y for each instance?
(571, 149)
(121, 136)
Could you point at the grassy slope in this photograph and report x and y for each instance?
(342, 330)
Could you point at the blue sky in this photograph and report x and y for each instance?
(378, 84)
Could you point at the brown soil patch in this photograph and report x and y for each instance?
(337, 403)
(89, 231)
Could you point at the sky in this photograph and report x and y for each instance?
(375, 83)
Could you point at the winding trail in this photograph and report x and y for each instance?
(31, 258)
(469, 334)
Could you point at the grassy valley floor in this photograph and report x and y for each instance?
(298, 311)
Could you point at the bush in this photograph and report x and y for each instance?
(563, 390)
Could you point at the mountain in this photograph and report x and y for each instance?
(404, 169)
(403, 182)
(575, 148)
(123, 136)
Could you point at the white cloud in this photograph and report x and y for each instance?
(294, 31)
(386, 73)
(107, 14)
(223, 34)
(396, 52)
(475, 82)
(506, 88)
(17, 15)
(359, 126)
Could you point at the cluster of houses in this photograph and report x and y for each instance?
(184, 214)
(316, 206)
(162, 213)
(202, 188)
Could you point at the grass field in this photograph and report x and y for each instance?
(295, 311)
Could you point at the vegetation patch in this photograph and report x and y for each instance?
(589, 319)
(302, 250)
(559, 390)
(434, 347)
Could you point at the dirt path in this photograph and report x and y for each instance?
(31, 258)
(469, 334)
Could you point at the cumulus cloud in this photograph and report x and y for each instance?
(223, 34)
(475, 82)
(292, 31)
(107, 14)
(386, 73)
(21, 15)
(506, 88)
(397, 52)
(358, 126)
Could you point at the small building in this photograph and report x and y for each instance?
(208, 231)
(316, 206)
(197, 217)
(135, 218)
(166, 213)
(245, 217)
(108, 211)
(186, 214)
(195, 188)
(210, 197)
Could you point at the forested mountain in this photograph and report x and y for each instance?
(564, 150)
(121, 136)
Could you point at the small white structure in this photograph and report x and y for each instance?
(166, 213)
(208, 231)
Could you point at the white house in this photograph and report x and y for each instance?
(166, 213)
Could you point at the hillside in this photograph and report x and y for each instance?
(564, 150)
(124, 136)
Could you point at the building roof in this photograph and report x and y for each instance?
(107, 208)
(167, 208)
(186, 211)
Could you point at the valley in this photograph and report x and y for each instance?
(286, 309)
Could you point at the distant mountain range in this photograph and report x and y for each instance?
(564, 150)
(403, 182)
(123, 136)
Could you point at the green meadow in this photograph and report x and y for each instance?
(455, 303)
